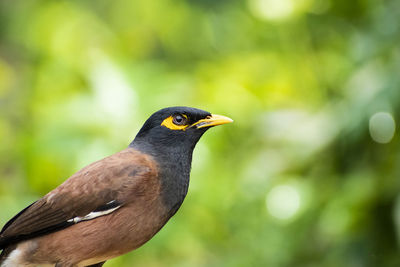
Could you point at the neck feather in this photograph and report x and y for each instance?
(174, 165)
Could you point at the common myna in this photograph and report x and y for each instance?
(113, 205)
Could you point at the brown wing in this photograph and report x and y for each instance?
(100, 187)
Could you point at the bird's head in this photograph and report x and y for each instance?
(176, 127)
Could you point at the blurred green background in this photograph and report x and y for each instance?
(309, 173)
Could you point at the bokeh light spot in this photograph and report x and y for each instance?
(283, 202)
(382, 127)
(272, 9)
(276, 10)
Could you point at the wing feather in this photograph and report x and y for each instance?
(102, 185)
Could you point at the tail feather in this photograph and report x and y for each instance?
(2, 257)
(3, 249)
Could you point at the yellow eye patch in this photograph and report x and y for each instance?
(169, 123)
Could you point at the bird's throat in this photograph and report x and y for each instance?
(174, 165)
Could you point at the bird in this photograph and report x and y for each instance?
(114, 205)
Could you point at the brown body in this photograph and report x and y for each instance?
(128, 176)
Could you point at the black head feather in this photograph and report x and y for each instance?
(162, 138)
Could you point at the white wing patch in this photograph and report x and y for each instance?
(94, 214)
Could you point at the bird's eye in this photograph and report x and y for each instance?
(179, 119)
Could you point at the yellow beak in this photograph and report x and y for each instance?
(212, 120)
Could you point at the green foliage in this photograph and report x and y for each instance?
(308, 174)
